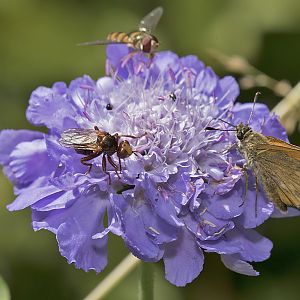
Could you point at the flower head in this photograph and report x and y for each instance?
(179, 196)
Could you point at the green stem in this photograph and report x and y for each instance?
(111, 281)
(146, 281)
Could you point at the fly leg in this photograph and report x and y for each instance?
(84, 160)
(132, 136)
(104, 168)
(114, 165)
(120, 166)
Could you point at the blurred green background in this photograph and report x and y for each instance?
(37, 47)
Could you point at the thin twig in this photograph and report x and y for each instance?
(252, 77)
(113, 278)
(288, 109)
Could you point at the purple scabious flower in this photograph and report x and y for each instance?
(179, 197)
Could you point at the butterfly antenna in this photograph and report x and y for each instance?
(212, 128)
(254, 101)
(226, 122)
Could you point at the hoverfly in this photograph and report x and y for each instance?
(94, 142)
(141, 39)
(275, 164)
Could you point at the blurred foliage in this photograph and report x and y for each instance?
(37, 47)
(4, 290)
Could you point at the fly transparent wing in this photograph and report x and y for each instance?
(79, 138)
(149, 22)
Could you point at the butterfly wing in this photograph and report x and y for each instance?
(277, 165)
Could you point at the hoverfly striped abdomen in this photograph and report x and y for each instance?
(118, 37)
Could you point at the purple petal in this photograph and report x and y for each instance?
(166, 60)
(206, 81)
(235, 264)
(29, 161)
(183, 259)
(255, 247)
(138, 241)
(48, 108)
(162, 202)
(10, 138)
(105, 85)
(229, 180)
(223, 245)
(229, 90)
(60, 88)
(192, 62)
(160, 231)
(227, 206)
(272, 127)
(75, 226)
(291, 212)
(242, 111)
(251, 216)
(31, 196)
(55, 201)
(205, 226)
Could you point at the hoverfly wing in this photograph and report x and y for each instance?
(79, 138)
(150, 21)
(278, 165)
(96, 43)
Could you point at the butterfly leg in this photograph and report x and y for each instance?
(84, 160)
(256, 195)
(104, 168)
(244, 170)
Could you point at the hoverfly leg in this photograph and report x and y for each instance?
(114, 165)
(244, 170)
(127, 57)
(87, 158)
(151, 58)
(104, 168)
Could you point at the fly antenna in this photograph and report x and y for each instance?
(254, 101)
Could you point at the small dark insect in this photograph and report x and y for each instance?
(140, 40)
(109, 106)
(275, 164)
(173, 96)
(94, 142)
